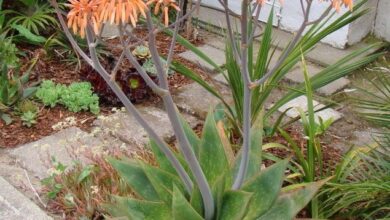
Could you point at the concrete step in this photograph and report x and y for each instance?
(65, 146)
(15, 206)
(296, 75)
(216, 54)
(301, 103)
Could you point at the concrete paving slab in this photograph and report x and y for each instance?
(217, 55)
(124, 126)
(296, 76)
(15, 206)
(301, 102)
(65, 146)
(195, 100)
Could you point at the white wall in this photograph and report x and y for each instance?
(235, 5)
(382, 25)
(364, 25)
(292, 18)
(377, 20)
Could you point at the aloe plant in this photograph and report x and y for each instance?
(205, 179)
(161, 195)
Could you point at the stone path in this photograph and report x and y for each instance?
(15, 206)
(348, 129)
(214, 48)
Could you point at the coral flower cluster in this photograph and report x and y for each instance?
(127, 11)
(116, 12)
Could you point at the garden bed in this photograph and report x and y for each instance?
(54, 68)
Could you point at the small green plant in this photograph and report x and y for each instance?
(81, 190)
(28, 111)
(27, 19)
(75, 97)
(361, 187)
(52, 185)
(150, 68)
(58, 46)
(29, 118)
(49, 93)
(79, 96)
(142, 52)
(310, 163)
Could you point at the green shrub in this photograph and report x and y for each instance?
(79, 96)
(76, 97)
(49, 93)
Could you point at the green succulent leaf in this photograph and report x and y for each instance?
(196, 200)
(212, 153)
(135, 176)
(192, 136)
(28, 34)
(290, 203)
(265, 188)
(28, 92)
(162, 181)
(162, 161)
(181, 208)
(139, 209)
(235, 204)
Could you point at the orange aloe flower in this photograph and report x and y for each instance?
(337, 4)
(80, 12)
(101, 11)
(121, 11)
(166, 4)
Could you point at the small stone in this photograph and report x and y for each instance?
(301, 102)
(15, 206)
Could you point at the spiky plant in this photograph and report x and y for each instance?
(160, 194)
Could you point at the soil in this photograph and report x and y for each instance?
(16, 134)
(331, 155)
(56, 69)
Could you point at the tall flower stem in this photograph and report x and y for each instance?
(185, 146)
(95, 63)
(244, 163)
